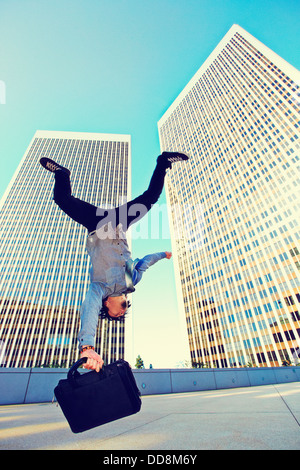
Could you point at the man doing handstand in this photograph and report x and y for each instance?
(113, 272)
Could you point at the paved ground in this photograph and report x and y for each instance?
(254, 418)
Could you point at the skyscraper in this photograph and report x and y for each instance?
(234, 207)
(44, 264)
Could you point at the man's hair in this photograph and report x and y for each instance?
(104, 312)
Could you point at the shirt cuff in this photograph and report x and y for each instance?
(86, 340)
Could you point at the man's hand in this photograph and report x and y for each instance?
(168, 254)
(94, 361)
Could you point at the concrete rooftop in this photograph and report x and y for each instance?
(255, 418)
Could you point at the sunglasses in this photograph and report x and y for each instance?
(125, 304)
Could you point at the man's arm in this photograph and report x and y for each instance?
(147, 261)
(89, 315)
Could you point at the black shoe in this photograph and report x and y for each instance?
(52, 166)
(172, 157)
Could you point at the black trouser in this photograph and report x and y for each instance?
(91, 216)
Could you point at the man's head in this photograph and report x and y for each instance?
(115, 308)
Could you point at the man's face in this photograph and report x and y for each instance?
(117, 306)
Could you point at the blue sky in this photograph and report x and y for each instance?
(115, 66)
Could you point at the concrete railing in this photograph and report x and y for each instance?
(36, 385)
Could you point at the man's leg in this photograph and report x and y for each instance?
(134, 210)
(80, 211)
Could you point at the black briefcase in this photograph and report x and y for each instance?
(94, 398)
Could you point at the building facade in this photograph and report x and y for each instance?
(43, 261)
(234, 206)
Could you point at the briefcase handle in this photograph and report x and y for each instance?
(73, 369)
(73, 372)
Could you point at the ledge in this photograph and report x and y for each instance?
(36, 385)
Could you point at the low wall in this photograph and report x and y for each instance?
(36, 385)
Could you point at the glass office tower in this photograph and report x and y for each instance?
(44, 264)
(234, 207)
